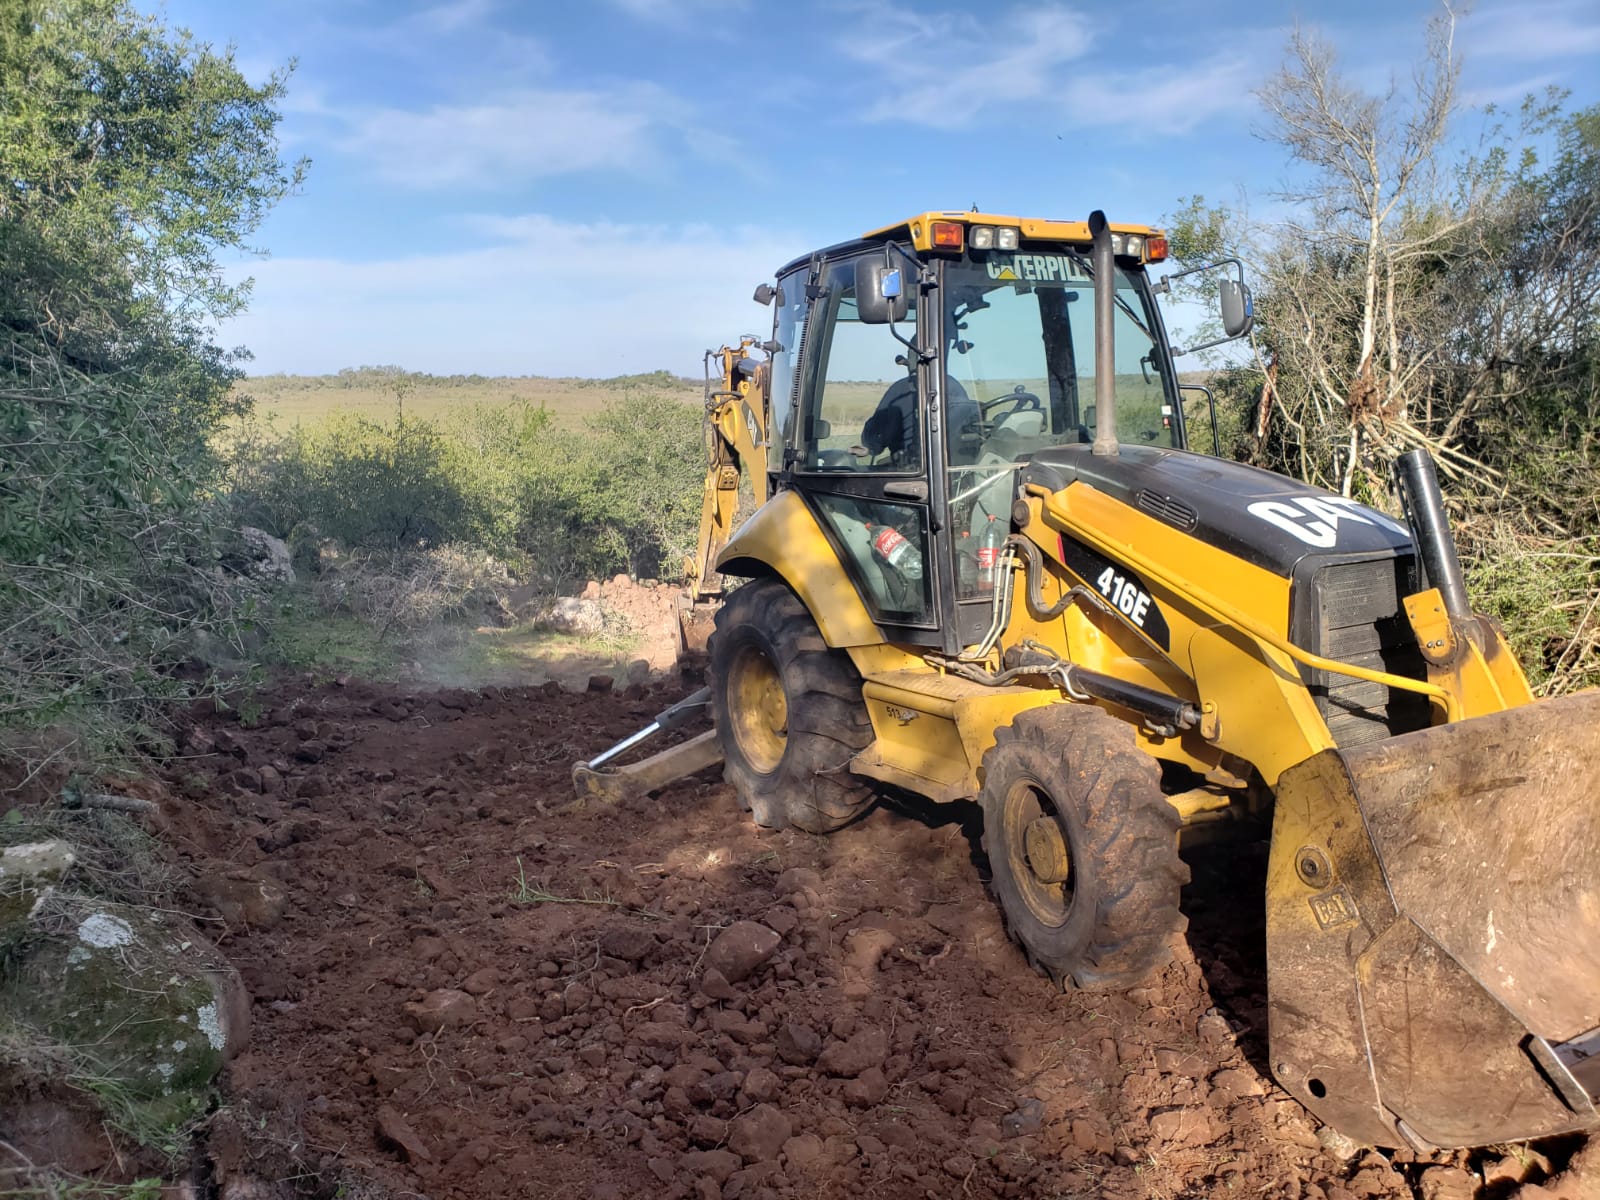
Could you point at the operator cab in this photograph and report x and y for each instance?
(918, 369)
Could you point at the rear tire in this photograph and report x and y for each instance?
(1083, 846)
(788, 710)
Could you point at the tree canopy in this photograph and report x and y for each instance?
(132, 159)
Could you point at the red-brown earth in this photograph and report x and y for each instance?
(462, 990)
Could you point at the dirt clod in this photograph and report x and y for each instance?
(395, 1128)
(742, 947)
(442, 1009)
(866, 1049)
(758, 1136)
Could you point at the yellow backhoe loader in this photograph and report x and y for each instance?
(984, 564)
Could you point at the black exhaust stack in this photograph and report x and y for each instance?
(1418, 483)
(1104, 266)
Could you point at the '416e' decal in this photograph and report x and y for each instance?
(1130, 600)
(1123, 590)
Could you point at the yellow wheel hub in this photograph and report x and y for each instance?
(1036, 847)
(758, 708)
(1047, 851)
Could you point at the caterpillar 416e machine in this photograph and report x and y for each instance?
(985, 565)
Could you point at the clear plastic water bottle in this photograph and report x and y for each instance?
(892, 547)
(966, 565)
(990, 538)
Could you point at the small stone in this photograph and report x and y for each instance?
(661, 1035)
(662, 1169)
(481, 982)
(761, 1085)
(271, 781)
(798, 1045)
(717, 1164)
(708, 1131)
(1446, 1183)
(959, 1166)
(1091, 1138)
(715, 986)
(866, 1049)
(1025, 1119)
(1233, 1082)
(1214, 1029)
(1339, 1147)
(312, 751)
(629, 944)
(392, 1127)
(866, 1089)
(1520, 1167)
(443, 1009)
(953, 1099)
(742, 947)
(1186, 1126)
(758, 1136)
(802, 1150)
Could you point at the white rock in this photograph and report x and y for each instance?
(272, 557)
(570, 614)
(105, 932)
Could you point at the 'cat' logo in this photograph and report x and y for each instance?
(1315, 520)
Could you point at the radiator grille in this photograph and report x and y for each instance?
(1170, 510)
(1357, 619)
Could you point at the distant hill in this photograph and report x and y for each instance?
(379, 391)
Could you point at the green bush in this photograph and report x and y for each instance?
(559, 506)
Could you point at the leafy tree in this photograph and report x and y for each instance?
(130, 159)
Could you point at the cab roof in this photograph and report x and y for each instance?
(918, 230)
(1039, 229)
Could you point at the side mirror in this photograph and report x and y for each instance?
(880, 292)
(1238, 311)
(765, 293)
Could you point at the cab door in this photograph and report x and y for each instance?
(861, 453)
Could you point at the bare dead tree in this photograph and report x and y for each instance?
(1372, 221)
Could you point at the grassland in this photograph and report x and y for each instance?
(379, 393)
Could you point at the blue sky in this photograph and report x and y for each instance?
(595, 188)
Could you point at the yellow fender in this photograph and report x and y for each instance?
(784, 539)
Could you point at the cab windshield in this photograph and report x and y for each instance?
(1018, 339)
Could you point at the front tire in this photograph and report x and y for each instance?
(788, 710)
(1083, 846)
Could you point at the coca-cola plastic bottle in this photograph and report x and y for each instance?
(891, 546)
(990, 539)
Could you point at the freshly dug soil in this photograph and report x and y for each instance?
(462, 991)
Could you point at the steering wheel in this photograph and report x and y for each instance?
(1020, 400)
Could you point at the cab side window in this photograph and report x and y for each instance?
(789, 330)
(865, 416)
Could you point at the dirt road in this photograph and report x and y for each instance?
(459, 992)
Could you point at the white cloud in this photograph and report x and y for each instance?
(949, 69)
(538, 296)
(526, 134)
(945, 69)
(677, 12)
(1532, 31)
(1163, 101)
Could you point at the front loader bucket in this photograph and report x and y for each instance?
(1433, 930)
